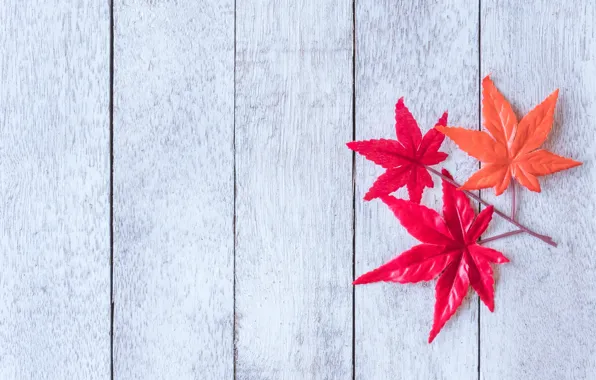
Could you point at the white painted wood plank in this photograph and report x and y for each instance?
(294, 183)
(173, 189)
(54, 179)
(543, 325)
(427, 53)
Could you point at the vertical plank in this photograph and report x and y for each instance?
(294, 189)
(543, 325)
(427, 53)
(173, 189)
(54, 181)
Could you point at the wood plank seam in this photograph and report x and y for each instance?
(479, 306)
(234, 318)
(353, 189)
(111, 137)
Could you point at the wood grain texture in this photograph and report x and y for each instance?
(173, 189)
(427, 53)
(294, 183)
(543, 325)
(54, 181)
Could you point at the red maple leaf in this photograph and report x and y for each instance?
(449, 251)
(404, 158)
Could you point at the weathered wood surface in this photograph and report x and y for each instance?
(427, 53)
(294, 189)
(173, 189)
(54, 181)
(233, 205)
(543, 325)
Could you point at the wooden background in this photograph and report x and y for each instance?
(178, 201)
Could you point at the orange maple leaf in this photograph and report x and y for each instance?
(510, 148)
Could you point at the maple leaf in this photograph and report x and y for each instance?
(404, 158)
(510, 148)
(449, 250)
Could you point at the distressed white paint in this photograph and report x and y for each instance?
(173, 189)
(427, 53)
(294, 183)
(54, 182)
(543, 325)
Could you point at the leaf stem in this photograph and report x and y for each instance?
(525, 229)
(501, 236)
(513, 191)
